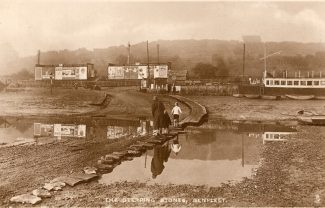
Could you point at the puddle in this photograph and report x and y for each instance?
(22, 131)
(214, 153)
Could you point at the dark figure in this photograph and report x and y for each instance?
(174, 89)
(158, 109)
(166, 122)
(169, 88)
(160, 156)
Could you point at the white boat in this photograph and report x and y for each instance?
(252, 96)
(301, 85)
(301, 97)
(270, 97)
(238, 95)
(313, 120)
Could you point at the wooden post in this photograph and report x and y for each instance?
(244, 61)
(38, 56)
(242, 151)
(158, 53)
(148, 65)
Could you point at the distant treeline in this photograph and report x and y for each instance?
(202, 58)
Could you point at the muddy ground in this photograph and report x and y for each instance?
(231, 108)
(291, 174)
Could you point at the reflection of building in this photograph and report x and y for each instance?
(115, 132)
(60, 130)
(275, 136)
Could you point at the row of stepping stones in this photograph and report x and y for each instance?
(107, 163)
(56, 184)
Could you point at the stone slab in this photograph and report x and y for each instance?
(54, 185)
(40, 192)
(26, 198)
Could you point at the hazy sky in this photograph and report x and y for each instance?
(53, 25)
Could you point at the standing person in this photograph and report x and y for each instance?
(166, 122)
(176, 111)
(158, 115)
(174, 89)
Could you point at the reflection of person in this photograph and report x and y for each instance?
(158, 114)
(160, 156)
(175, 146)
(166, 122)
(176, 111)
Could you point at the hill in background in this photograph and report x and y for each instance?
(225, 56)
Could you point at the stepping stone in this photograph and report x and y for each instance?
(106, 168)
(26, 198)
(66, 179)
(40, 192)
(54, 185)
(108, 161)
(155, 141)
(111, 156)
(119, 154)
(134, 153)
(75, 178)
(148, 145)
(84, 177)
(90, 170)
(128, 158)
(138, 147)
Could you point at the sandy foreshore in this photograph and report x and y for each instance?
(290, 174)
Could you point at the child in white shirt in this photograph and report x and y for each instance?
(176, 111)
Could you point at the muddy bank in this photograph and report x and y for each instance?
(231, 108)
(120, 103)
(40, 101)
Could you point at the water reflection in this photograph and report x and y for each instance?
(183, 161)
(211, 154)
(17, 131)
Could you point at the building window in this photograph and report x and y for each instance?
(271, 82)
(316, 83)
(289, 82)
(267, 82)
(276, 82)
(296, 83)
(303, 83)
(322, 82)
(283, 82)
(309, 83)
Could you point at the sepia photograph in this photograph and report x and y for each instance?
(163, 103)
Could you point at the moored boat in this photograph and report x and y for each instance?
(270, 97)
(318, 120)
(301, 97)
(320, 97)
(252, 96)
(298, 87)
(237, 95)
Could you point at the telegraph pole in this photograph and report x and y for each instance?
(158, 53)
(244, 61)
(129, 51)
(38, 56)
(148, 64)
